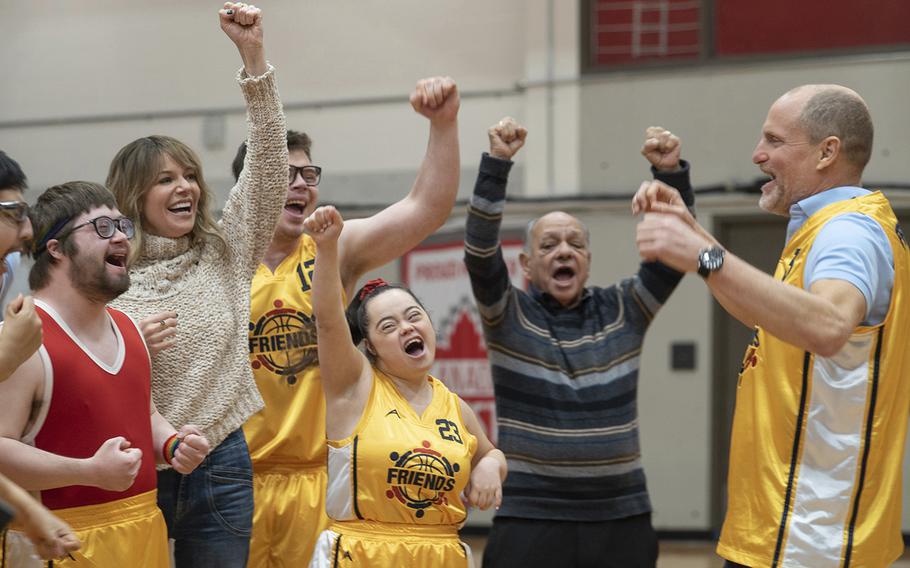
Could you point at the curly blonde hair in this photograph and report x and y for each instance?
(134, 170)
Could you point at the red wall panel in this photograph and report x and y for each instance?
(634, 31)
(790, 26)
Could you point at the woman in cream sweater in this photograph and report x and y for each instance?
(190, 291)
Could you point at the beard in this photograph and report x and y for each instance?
(90, 277)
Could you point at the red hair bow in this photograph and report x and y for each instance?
(370, 286)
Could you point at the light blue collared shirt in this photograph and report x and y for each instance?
(851, 247)
(6, 281)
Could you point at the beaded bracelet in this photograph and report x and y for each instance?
(170, 448)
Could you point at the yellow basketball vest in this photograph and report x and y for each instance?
(290, 430)
(403, 468)
(817, 445)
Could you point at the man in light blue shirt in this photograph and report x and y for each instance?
(823, 395)
(851, 247)
(10, 265)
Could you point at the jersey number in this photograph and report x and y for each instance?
(448, 430)
(305, 279)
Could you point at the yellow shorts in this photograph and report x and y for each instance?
(288, 516)
(366, 543)
(127, 532)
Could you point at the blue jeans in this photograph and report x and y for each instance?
(209, 513)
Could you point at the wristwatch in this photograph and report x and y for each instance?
(710, 260)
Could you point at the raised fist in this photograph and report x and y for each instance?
(242, 23)
(661, 148)
(324, 224)
(506, 138)
(437, 99)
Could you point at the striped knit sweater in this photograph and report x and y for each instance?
(565, 379)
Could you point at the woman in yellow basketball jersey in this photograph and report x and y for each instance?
(406, 455)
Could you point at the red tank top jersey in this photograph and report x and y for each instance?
(91, 403)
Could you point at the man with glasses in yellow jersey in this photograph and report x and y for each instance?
(287, 438)
(78, 422)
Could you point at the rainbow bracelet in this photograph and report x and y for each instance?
(170, 448)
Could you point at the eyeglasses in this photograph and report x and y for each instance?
(106, 227)
(310, 174)
(18, 210)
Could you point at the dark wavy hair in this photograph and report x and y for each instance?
(296, 141)
(356, 312)
(11, 174)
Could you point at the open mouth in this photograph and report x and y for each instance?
(118, 260)
(296, 207)
(182, 208)
(414, 347)
(771, 179)
(564, 274)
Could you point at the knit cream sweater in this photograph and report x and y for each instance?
(205, 378)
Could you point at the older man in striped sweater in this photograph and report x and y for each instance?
(565, 361)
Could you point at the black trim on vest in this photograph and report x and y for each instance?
(793, 459)
(354, 476)
(867, 443)
(337, 548)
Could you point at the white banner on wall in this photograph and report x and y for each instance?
(437, 275)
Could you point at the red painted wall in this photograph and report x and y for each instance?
(792, 26)
(627, 32)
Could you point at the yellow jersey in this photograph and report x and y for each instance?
(290, 430)
(398, 467)
(817, 445)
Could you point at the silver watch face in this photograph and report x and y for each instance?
(710, 260)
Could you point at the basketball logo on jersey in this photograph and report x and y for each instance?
(420, 478)
(283, 341)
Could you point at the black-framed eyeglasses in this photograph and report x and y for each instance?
(310, 174)
(18, 210)
(105, 227)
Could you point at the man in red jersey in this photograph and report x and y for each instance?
(79, 425)
(20, 337)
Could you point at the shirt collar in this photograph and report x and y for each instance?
(550, 302)
(805, 208)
